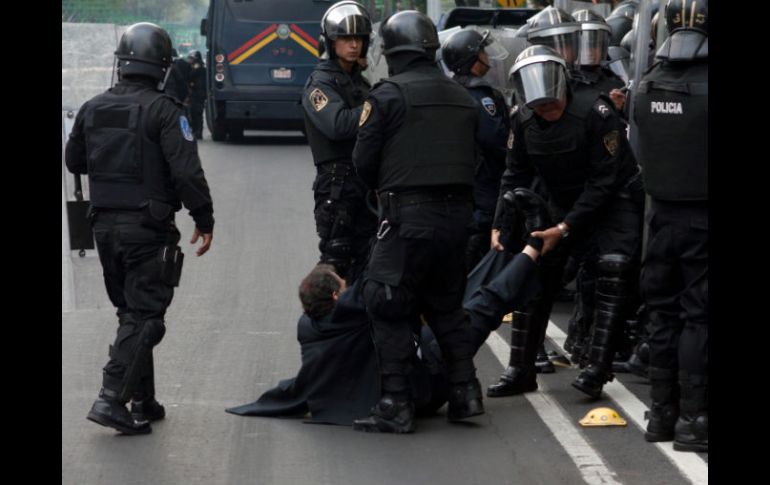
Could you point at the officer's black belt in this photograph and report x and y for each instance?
(337, 166)
(409, 198)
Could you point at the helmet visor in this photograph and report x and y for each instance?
(539, 83)
(620, 68)
(593, 47)
(565, 44)
(494, 50)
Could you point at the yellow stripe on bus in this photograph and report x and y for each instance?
(262, 43)
(299, 40)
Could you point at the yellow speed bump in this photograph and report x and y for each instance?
(602, 417)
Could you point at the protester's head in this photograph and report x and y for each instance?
(319, 291)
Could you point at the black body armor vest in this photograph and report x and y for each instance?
(435, 145)
(125, 168)
(671, 112)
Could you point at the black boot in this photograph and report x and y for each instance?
(691, 432)
(465, 401)
(610, 296)
(144, 407)
(520, 375)
(543, 364)
(392, 414)
(572, 330)
(147, 410)
(664, 410)
(639, 362)
(110, 412)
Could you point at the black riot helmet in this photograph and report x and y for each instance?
(144, 50)
(539, 76)
(195, 56)
(461, 50)
(687, 22)
(621, 20)
(594, 37)
(409, 31)
(346, 18)
(555, 28)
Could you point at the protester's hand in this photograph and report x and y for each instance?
(205, 245)
(496, 241)
(550, 237)
(618, 98)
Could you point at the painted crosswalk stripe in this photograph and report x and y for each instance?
(590, 465)
(689, 464)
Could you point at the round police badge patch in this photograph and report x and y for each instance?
(184, 125)
(489, 105)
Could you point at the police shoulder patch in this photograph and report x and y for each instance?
(489, 105)
(612, 142)
(365, 112)
(318, 99)
(184, 125)
(602, 108)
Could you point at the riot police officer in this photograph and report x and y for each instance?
(197, 92)
(332, 102)
(579, 151)
(178, 83)
(138, 150)
(672, 118)
(466, 54)
(594, 45)
(621, 20)
(416, 148)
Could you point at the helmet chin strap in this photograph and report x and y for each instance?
(114, 70)
(162, 83)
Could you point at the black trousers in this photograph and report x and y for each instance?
(345, 225)
(617, 229)
(128, 251)
(417, 267)
(196, 115)
(675, 286)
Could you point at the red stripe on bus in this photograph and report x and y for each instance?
(251, 42)
(304, 35)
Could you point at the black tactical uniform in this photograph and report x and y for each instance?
(178, 82)
(197, 92)
(555, 28)
(416, 149)
(672, 116)
(491, 139)
(594, 187)
(460, 53)
(137, 148)
(332, 102)
(590, 80)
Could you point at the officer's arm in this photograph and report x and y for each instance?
(328, 111)
(608, 150)
(75, 152)
(181, 152)
(519, 171)
(493, 130)
(368, 149)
